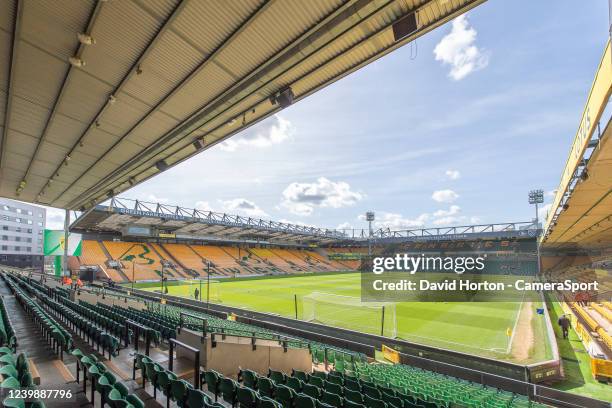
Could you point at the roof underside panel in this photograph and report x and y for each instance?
(164, 73)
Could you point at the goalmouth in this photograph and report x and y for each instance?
(348, 312)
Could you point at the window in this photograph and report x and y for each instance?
(5, 227)
(17, 219)
(40, 215)
(5, 237)
(19, 211)
(4, 247)
(30, 222)
(17, 248)
(28, 249)
(29, 230)
(40, 224)
(39, 249)
(5, 207)
(17, 239)
(30, 212)
(18, 229)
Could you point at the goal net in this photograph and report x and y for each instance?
(350, 313)
(202, 287)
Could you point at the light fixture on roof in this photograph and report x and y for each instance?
(81, 143)
(232, 122)
(22, 184)
(161, 165)
(132, 181)
(68, 157)
(283, 98)
(76, 62)
(86, 39)
(138, 70)
(112, 99)
(199, 144)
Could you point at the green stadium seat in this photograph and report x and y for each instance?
(276, 376)
(353, 396)
(196, 398)
(178, 391)
(134, 401)
(312, 391)
(13, 403)
(316, 381)
(300, 375)
(295, 384)
(211, 379)
(248, 378)
(284, 395)
(265, 387)
(266, 402)
(333, 388)
(374, 403)
(304, 401)
(247, 397)
(331, 399)
(228, 389)
(352, 404)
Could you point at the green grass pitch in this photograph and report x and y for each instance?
(477, 328)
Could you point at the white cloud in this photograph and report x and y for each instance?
(203, 206)
(444, 196)
(453, 174)
(453, 210)
(303, 198)
(243, 206)
(154, 199)
(397, 221)
(273, 130)
(55, 218)
(458, 49)
(345, 226)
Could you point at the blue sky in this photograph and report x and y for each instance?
(413, 137)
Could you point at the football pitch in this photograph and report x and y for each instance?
(479, 328)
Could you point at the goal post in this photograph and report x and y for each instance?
(348, 312)
(202, 287)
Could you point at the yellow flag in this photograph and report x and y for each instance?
(508, 332)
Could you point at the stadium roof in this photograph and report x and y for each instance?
(141, 219)
(580, 215)
(98, 96)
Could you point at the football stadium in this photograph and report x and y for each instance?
(138, 301)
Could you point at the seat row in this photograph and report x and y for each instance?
(15, 374)
(7, 334)
(69, 313)
(303, 390)
(321, 352)
(53, 332)
(167, 382)
(437, 388)
(112, 392)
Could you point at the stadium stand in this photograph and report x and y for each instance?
(186, 257)
(221, 262)
(349, 380)
(92, 254)
(147, 263)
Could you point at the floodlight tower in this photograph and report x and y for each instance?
(536, 197)
(370, 218)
